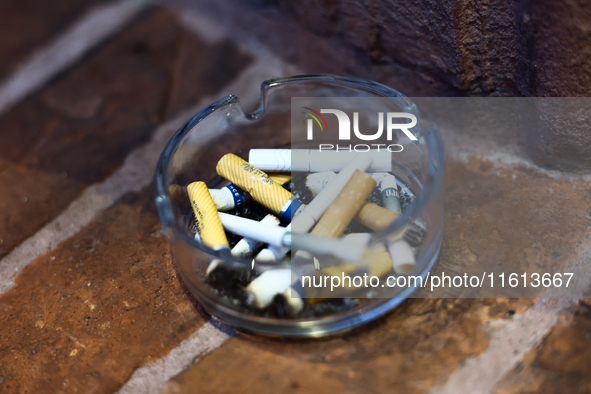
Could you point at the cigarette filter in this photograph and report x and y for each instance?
(358, 238)
(207, 220)
(262, 232)
(280, 177)
(313, 211)
(389, 191)
(313, 160)
(375, 217)
(246, 246)
(403, 257)
(272, 253)
(317, 181)
(228, 198)
(258, 184)
(270, 283)
(378, 261)
(349, 248)
(344, 208)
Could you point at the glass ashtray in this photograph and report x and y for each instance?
(223, 127)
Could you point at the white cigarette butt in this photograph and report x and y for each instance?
(247, 246)
(313, 160)
(270, 283)
(403, 257)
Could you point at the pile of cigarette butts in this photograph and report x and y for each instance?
(318, 224)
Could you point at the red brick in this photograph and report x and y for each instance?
(561, 364)
(499, 219)
(84, 123)
(412, 349)
(82, 317)
(28, 200)
(26, 25)
(201, 70)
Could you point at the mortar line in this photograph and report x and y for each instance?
(509, 343)
(511, 340)
(152, 378)
(131, 176)
(43, 64)
(135, 173)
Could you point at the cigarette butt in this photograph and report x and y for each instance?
(265, 287)
(280, 178)
(294, 300)
(375, 217)
(273, 252)
(313, 211)
(403, 257)
(349, 248)
(344, 208)
(378, 261)
(258, 184)
(357, 238)
(262, 232)
(313, 160)
(207, 219)
(228, 198)
(376, 258)
(247, 246)
(389, 191)
(318, 181)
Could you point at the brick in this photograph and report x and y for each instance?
(497, 218)
(483, 48)
(448, 48)
(195, 78)
(82, 317)
(82, 125)
(27, 24)
(491, 215)
(29, 199)
(561, 363)
(412, 349)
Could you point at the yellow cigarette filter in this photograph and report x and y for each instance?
(378, 218)
(339, 214)
(263, 189)
(375, 217)
(207, 219)
(280, 178)
(378, 261)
